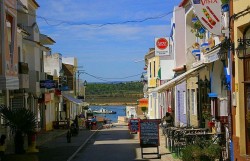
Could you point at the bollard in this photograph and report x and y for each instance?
(68, 136)
(32, 143)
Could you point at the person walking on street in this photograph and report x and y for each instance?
(2, 146)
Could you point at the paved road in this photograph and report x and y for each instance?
(114, 144)
(111, 144)
(59, 150)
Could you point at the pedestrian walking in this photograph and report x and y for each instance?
(2, 146)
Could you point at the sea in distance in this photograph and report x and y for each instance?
(120, 111)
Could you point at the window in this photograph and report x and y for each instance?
(154, 69)
(19, 53)
(10, 36)
(150, 69)
(193, 101)
(184, 103)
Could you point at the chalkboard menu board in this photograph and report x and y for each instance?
(134, 125)
(149, 133)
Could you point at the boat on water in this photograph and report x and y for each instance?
(104, 111)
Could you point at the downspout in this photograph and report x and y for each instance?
(199, 103)
(230, 88)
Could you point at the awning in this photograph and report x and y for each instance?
(72, 99)
(179, 79)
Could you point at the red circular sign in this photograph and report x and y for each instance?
(162, 43)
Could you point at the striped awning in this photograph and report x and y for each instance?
(72, 99)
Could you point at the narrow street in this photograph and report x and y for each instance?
(117, 144)
(111, 144)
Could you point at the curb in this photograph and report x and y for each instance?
(84, 143)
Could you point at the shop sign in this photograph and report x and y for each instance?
(161, 46)
(209, 13)
(48, 84)
(211, 56)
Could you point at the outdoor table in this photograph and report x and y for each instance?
(190, 137)
(169, 132)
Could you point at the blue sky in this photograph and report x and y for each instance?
(110, 52)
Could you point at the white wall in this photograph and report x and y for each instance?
(52, 64)
(167, 69)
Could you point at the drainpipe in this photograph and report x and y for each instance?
(199, 103)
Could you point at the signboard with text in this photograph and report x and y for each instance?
(162, 46)
(134, 125)
(209, 13)
(48, 84)
(149, 133)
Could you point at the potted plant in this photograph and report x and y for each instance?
(213, 151)
(191, 152)
(144, 109)
(21, 121)
(198, 29)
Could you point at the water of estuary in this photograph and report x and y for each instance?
(120, 111)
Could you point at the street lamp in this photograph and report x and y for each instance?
(79, 72)
(61, 72)
(241, 50)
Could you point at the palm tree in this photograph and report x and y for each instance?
(21, 121)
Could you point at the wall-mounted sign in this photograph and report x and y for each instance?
(161, 46)
(48, 84)
(209, 13)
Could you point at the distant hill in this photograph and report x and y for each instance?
(114, 93)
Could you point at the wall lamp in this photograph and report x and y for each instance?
(241, 50)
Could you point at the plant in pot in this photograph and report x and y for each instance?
(198, 29)
(21, 121)
(144, 109)
(213, 151)
(191, 152)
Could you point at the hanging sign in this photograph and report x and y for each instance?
(161, 46)
(209, 13)
(48, 84)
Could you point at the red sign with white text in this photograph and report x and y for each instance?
(162, 43)
(162, 46)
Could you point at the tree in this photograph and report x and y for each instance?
(21, 121)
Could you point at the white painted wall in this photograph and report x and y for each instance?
(167, 69)
(52, 64)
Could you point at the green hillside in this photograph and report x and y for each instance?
(114, 93)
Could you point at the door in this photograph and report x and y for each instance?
(247, 101)
(247, 94)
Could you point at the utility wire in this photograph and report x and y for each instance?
(60, 22)
(106, 79)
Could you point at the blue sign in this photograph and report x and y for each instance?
(48, 84)
(64, 88)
